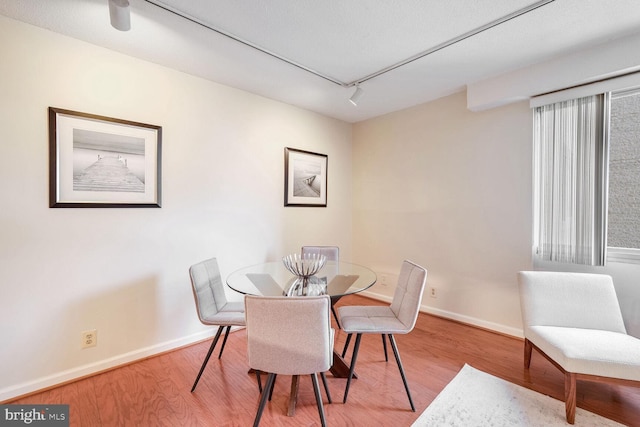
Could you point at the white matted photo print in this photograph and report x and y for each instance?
(305, 178)
(97, 161)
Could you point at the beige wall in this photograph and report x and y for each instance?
(449, 189)
(124, 271)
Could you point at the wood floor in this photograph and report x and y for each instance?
(156, 391)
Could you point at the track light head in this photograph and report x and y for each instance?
(356, 95)
(120, 14)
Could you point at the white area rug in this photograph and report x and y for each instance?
(476, 399)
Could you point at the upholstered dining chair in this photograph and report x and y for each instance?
(212, 305)
(333, 254)
(398, 318)
(289, 336)
(574, 321)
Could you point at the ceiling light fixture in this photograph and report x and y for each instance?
(120, 14)
(356, 95)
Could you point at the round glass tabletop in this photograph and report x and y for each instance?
(273, 279)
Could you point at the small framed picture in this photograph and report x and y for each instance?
(305, 178)
(102, 162)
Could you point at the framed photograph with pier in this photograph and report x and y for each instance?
(305, 178)
(102, 162)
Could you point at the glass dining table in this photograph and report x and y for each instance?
(335, 278)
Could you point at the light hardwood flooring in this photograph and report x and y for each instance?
(156, 391)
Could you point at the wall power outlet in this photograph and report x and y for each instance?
(90, 338)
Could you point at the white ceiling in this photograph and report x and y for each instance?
(343, 41)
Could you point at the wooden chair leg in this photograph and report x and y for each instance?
(527, 353)
(263, 399)
(570, 396)
(206, 359)
(316, 391)
(352, 368)
(399, 362)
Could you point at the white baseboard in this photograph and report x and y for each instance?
(507, 330)
(14, 391)
(42, 383)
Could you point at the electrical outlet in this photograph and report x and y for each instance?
(90, 338)
(432, 292)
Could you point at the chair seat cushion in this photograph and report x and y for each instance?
(231, 314)
(589, 351)
(370, 319)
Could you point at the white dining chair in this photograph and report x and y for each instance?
(333, 254)
(289, 336)
(398, 318)
(212, 305)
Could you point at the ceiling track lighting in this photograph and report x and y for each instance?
(120, 14)
(358, 92)
(356, 95)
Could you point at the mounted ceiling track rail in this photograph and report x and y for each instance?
(161, 5)
(357, 82)
(455, 40)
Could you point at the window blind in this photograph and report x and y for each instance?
(570, 181)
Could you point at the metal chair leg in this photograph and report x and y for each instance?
(384, 345)
(224, 341)
(259, 380)
(346, 345)
(335, 316)
(316, 390)
(326, 386)
(399, 362)
(273, 385)
(352, 368)
(206, 359)
(263, 399)
(334, 300)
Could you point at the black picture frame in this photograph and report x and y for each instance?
(305, 178)
(103, 162)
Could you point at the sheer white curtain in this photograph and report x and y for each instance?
(569, 176)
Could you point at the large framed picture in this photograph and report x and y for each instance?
(102, 162)
(305, 178)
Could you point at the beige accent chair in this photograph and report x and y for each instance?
(574, 321)
(289, 336)
(212, 305)
(398, 318)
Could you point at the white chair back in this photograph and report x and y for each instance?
(289, 335)
(572, 300)
(208, 289)
(331, 252)
(408, 294)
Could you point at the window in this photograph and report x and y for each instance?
(587, 179)
(623, 230)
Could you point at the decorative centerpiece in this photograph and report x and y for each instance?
(304, 267)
